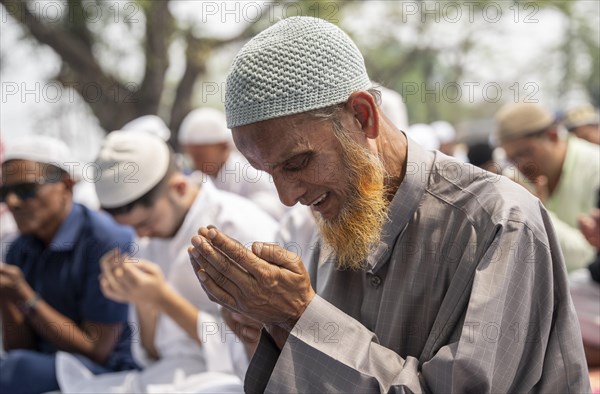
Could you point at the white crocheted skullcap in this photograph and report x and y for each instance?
(151, 124)
(204, 126)
(297, 65)
(129, 164)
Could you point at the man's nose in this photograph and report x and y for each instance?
(290, 189)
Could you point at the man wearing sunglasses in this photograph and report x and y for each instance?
(50, 298)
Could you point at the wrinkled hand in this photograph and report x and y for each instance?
(590, 227)
(267, 283)
(13, 286)
(126, 280)
(246, 328)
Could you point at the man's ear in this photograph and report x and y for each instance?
(68, 182)
(363, 107)
(178, 184)
(553, 134)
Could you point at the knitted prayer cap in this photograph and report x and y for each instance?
(297, 65)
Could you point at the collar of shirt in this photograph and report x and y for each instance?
(404, 204)
(69, 230)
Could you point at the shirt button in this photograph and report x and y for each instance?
(375, 281)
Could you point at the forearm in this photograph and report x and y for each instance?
(180, 310)
(66, 335)
(16, 331)
(577, 251)
(147, 317)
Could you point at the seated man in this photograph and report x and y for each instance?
(177, 321)
(564, 171)
(50, 296)
(429, 278)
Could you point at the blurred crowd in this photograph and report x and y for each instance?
(125, 232)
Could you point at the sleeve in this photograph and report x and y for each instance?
(576, 249)
(95, 307)
(519, 334)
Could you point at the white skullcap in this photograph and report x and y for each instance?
(41, 149)
(204, 126)
(424, 135)
(151, 124)
(394, 108)
(130, 164)
(444, 131)
(297, 65)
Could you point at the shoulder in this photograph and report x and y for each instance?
(581, 145)
(102, 229)
(483, 198)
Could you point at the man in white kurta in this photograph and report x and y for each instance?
(184, 362)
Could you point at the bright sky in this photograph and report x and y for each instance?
(513, 48)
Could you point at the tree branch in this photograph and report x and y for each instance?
(159, 22)
(72, 50)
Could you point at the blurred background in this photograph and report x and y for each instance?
(77, 69)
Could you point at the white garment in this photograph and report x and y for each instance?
(182, 359)
(239, 177)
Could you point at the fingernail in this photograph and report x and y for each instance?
(258, 247)
(201, 275)
(212, 233)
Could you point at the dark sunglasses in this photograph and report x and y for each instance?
(24, 191)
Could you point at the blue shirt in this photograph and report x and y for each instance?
(65, 275)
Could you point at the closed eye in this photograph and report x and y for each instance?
(298, 162)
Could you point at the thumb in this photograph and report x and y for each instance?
(277, 255)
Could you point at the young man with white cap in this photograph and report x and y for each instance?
(50, 296)
(429, 279)
(150, 124)
(564, 170)
(205, 137)
(141, 187)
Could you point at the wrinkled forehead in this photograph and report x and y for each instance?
(271, 141)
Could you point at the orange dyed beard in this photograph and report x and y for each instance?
(356, 230)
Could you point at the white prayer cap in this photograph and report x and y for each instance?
(424, 135)
(151, 124)
(297, 65)
(204, 126)
(444, 131)
(394, 108)
(130, 164)
(41, 149)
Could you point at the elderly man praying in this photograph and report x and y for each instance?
(431, 276)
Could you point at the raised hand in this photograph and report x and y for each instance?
(267, 283)
(13, 286)
(131, 280)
